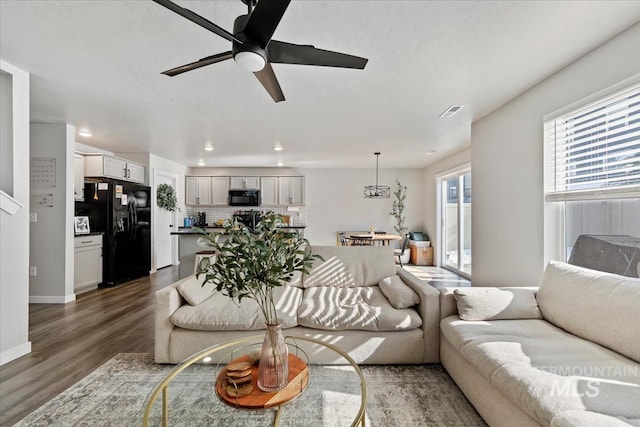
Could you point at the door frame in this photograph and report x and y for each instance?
(174, 239)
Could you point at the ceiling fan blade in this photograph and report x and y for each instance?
(268, 79)
(264, 19)
(289, 53)
(197, 19)
(199, 63)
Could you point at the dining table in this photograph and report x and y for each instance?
(372, 239)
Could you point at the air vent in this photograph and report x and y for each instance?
(449, 112)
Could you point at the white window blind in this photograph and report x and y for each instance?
(594, 152)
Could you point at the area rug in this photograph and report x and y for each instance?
(397, 395)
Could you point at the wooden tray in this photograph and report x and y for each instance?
(298, 381)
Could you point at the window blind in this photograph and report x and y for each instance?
(594, 152)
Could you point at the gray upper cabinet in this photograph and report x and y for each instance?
(219, 190)
(242, 182)
(269, 190)
(78, 186)
(291, 190)
(198, 190)
(113, 167)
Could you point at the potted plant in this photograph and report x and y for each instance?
(252, 265)
(397, 212)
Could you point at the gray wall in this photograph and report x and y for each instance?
(51, 238)
(513, 228)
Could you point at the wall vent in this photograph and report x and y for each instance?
(449, 112)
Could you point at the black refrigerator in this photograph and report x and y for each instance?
(122, 211)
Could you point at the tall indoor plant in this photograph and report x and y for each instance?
(252, 264)
(397, 208)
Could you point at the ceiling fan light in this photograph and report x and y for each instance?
(250, 61)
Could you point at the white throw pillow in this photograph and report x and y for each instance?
(496, 303)
(398, 293)
(193, 291)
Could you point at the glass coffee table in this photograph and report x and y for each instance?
(318, 395)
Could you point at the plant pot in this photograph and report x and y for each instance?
(274, 361)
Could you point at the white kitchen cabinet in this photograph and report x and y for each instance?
(87, 262)
(78, 186)
(219, 190)
(269, 190)
(198, 190)
(242, 182)
(291, 190)
(113, 167)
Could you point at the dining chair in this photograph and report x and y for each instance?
(343, 239)
(403, 248)
(361, 240)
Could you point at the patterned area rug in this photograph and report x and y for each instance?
(397, 395)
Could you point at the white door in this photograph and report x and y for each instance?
(164, 224)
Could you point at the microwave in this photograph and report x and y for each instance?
(244, 197)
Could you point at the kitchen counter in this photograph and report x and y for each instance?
(188, 244)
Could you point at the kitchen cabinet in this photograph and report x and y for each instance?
(198, 190)
(113, 167)
(78, 183)
(87, 262)
(291, 190)
(269, 190)
(242, 182)
(219, 190)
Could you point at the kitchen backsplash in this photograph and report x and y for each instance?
(215, 213)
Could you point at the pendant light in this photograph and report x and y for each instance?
(377, 191)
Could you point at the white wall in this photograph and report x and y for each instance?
(14, 229)
(507, 164)
(6, 132)
(51, 238)
(335, 201)
(430, 207)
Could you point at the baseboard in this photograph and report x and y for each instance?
(35, 299)
(15, 352)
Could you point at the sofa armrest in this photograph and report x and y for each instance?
(429, 310)
(168, 300)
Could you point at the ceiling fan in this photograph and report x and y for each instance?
(252, 47)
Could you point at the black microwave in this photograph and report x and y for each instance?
(244, 197)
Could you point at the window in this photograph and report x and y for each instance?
(592, 167)
(455, 213)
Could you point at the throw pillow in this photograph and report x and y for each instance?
(398, 293)
(496, 303)
(193, 291)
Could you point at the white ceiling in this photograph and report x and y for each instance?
(96, 64)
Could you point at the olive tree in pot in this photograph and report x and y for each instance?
(397, 212)
(252, 265)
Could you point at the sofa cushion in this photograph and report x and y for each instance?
(496, 303)
(398, 293)
(350, 266)
(546, 370)
(220, 312)
(601, 307)
(360, 308)
(193, 291)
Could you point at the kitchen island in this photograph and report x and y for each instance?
(188, 244)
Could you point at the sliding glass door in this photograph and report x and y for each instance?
(455, 235)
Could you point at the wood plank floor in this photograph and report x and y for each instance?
(71, 340)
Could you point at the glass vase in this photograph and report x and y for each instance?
(274, 361)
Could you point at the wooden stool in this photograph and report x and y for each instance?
(200, 257)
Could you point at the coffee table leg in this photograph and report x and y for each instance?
(165, 406)
(276, 423)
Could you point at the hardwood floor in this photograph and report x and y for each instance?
(71, 340)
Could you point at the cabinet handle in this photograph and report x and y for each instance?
(86, 241)
(125, 172)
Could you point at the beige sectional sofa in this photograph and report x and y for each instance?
(564, 354)
(356, 299)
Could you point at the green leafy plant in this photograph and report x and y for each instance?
(397, 208)
(253, 264)
(166, 197)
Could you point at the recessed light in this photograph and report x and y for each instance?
(85, 133)
(449, 112)
(208, 148)
(277, 147)
(200, 162)
(280, 163)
